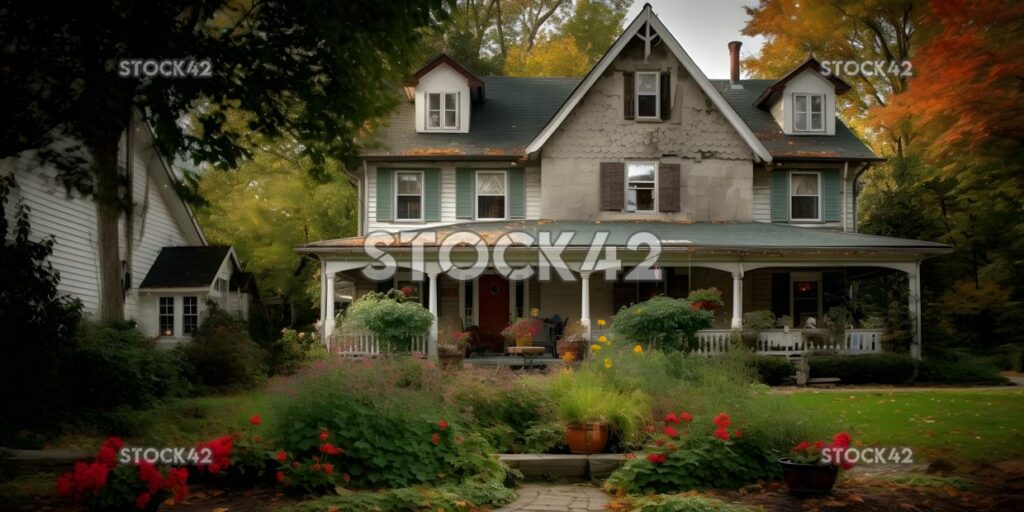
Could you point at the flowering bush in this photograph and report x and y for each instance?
(661, 322)
(807, 452)
(106, 485)
(523, 327)
(286, 354)
(708, 299)
(394, 320)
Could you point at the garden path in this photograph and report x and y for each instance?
(535, 497)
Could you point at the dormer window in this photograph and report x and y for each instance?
(648, 95)
(443, 111)
(808, 112)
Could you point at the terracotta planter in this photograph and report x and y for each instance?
(705, 305)
(808, 479)
(577, 347)
(586, 437)
(524, 341)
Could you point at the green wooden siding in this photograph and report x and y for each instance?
(780, 196)
(516, 194)
(464, 193)
(830, 195)
(385, 194)
(432, 195)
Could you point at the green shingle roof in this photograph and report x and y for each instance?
(730, 236)
(843, 145)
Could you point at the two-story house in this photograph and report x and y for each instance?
(749, 186)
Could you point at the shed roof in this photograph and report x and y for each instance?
(186, 267)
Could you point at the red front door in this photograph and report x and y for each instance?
(493, 303)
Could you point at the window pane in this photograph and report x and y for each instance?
(805, 184)
(408, 207)
(450, 101)
(647, 83)
(800, 104)
(641, 172)
(449, 118)
(816, 104)
(189, 315)
(491, 207)
(645, 199)
(435, 101)
(490, 183)
(816, 121)
(805, 207)
(647, 106)
(409, 184)
(434, 119)
(166, 316)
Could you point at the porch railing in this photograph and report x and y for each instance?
(782, 342)
(366, 344)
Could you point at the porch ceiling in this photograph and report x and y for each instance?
(740, 237)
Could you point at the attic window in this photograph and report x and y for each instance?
(443, 111)
(648, 85)
(808, 112)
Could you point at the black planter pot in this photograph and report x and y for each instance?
(808, 479)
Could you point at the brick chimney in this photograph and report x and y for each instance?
(734, 62)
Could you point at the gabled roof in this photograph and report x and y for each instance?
(473, 80)
(648, 18)
(188, 267)
(844, 145)
(772, 92)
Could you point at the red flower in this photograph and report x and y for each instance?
(107, 454)
(842, 439)
(282, 456)
(722, 420)
(177, 483)
(295, 464)
(670, 431)
(458, 439)
(254, 419)
(803, 445)
(330, 449)
(346, 477)
(328, 468)
(737, 433)
(323, 435)
(406, 290)
(671, 418)
(443, 425)
(142, 500)
(316, 468)
(722, 434)
(436, 439)
(86, 479)
(279, 476)
(818, 444)
(657, 458)
(685, 416)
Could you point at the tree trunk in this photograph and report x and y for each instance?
(109, 206)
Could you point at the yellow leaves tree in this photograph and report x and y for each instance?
(555, 57)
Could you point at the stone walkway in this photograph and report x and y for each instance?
(560, 498)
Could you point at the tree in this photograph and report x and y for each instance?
(596, 24)
(558, 57)
(329, 61)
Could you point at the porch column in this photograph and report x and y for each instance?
(432, 306)
(914, 285)
(737, 300)
(328, 320)
(585, 302)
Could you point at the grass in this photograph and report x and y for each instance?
(966, 425)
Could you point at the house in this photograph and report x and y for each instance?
(749, 186)
(169, 268)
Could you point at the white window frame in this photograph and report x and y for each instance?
(476, 193)
(808, 114)
(657, 94)
(185, 314)
(160, 315)
(792, 194)
(422, 195)
(443, 109)
(654, 191)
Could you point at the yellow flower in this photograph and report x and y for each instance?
(639, 310)
(607, 363)
(638, 349)
(568, 357)
(602, 339)
(600, 322)
(595, 347)
(534, 312)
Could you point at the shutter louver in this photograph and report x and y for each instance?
(432, 195)
(666, 96)
(627, 96)
(516, 194)
(385, 194)
(613, 186)
(830, 195)
(780, 196)
(464, 194)
(668, 187)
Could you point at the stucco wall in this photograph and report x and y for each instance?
(716, 163)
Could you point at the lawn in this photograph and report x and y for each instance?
(967, 425)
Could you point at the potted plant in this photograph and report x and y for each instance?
(573, 341)
(452, 350)
(708, 299)
(591, 412)
(523, 331)
(811, 468)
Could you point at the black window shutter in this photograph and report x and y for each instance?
(666, 96)
(668, 188)
(613, 185)
(627, 95)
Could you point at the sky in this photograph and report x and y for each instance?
(704, 29)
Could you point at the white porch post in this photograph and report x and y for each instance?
(328, 320)
(914, 285)
(737, 300)
(432, 306)
(585, 302)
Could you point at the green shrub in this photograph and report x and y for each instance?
(286, 354)
(753, 323)
(884, 368)
(394, 320)
(661, 322)
(222, 353)
(472, 494)
(773, 370)
(678, 503)
(504, 407)
(963, 370)
(1011, 357)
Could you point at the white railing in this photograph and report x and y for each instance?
(786, 342)
(365, 344)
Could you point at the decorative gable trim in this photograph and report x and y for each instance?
(471, 79)
(647, 16)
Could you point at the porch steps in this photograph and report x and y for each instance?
(565, 467)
